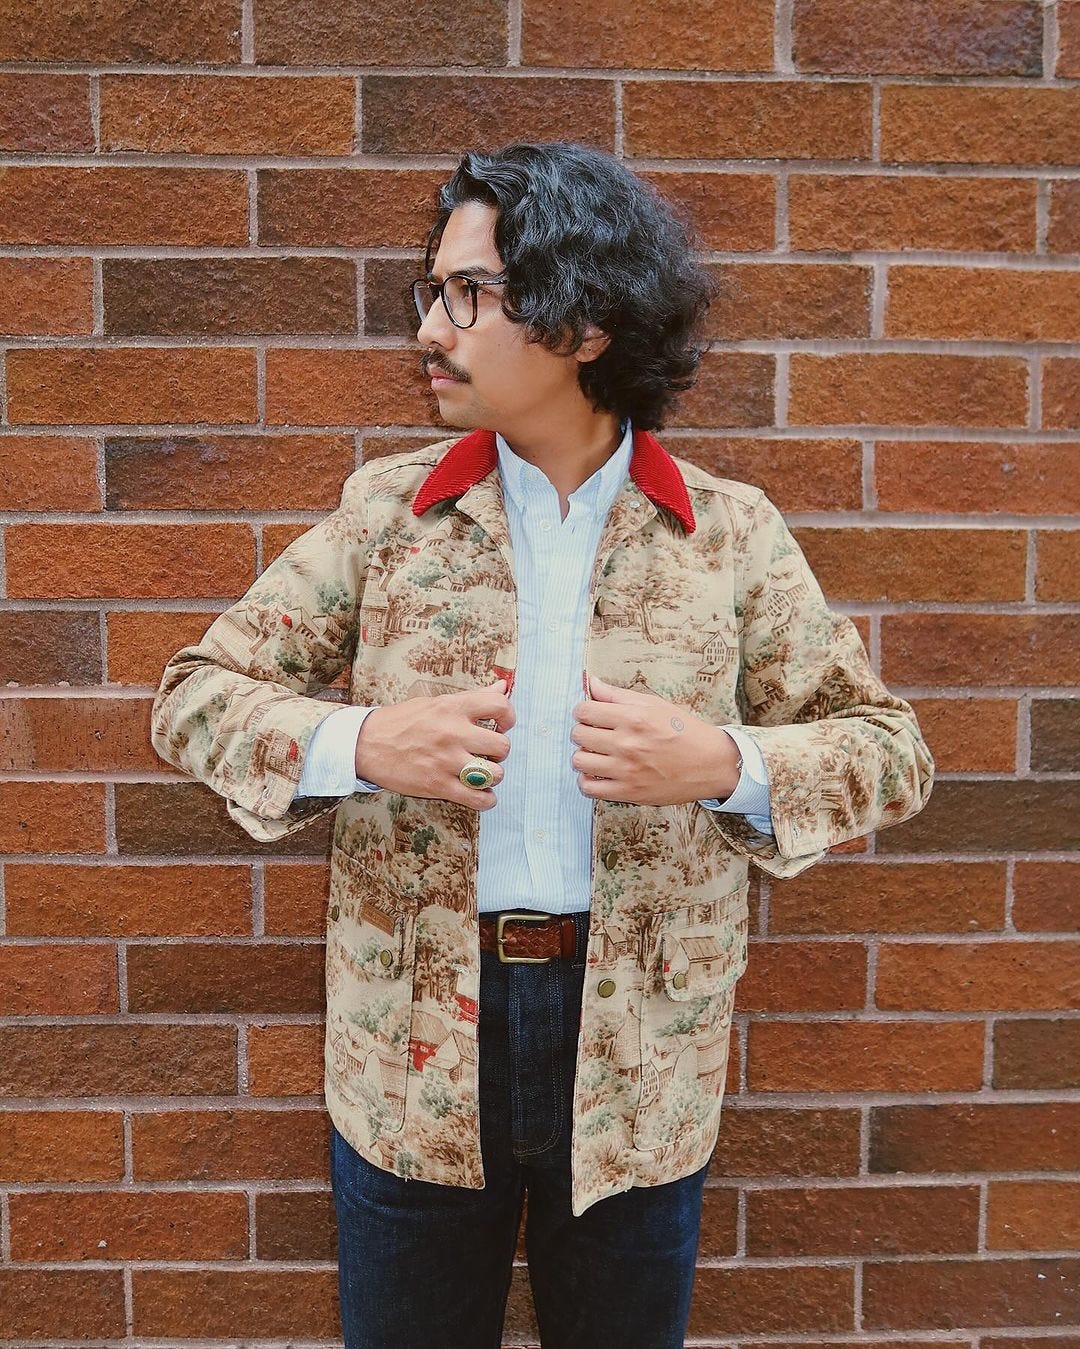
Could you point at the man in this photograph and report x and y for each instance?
(589, 684)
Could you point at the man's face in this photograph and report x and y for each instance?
(505, 382)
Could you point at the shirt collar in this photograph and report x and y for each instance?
(597, 491)
(476, 455)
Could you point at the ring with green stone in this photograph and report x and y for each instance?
(477, 773)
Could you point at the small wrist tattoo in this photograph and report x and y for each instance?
(677, 724)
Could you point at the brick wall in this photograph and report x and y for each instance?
(208, 210)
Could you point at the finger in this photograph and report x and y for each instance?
(487, 744)
(603, 789)
(476, 798)
(609, 715)
(595, 738)
(490, 705)
(595, 765)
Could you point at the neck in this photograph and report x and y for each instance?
(568, 455)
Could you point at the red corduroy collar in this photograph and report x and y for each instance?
(473, 458)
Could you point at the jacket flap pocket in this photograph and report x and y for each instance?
(700, 959)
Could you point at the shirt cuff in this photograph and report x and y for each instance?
(330, 762)
(751, 794)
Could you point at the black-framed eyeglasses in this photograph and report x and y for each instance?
(458, 296)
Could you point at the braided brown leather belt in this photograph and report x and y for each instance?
(528, 938)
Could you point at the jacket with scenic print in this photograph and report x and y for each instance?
(699, 593)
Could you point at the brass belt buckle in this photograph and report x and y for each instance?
(501, 922)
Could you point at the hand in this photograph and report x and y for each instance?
(640, 748)
(419, 747)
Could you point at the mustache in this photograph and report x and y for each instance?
(430, 367)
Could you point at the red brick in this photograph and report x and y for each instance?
(907, 389)
(1063, 235)
(45, 473)
(118, 1060)
(746, 119)
(126, 1225)
(226, 473)
(969, 735)
(61, 1145)
(295, 1225)
(131, 384)
(45, 113)
(917, 564)
(111, 31)
(64, 980)
(865, 1056)
(991, 815)
(108, 206)
(285, 1060)
(347, 208)
(228, 114)
(1031, 1054)
(52, 296)
(728, 210)
(867, 211)
(720, 35)
(975, 1137)
(75, 734)
(230, 1145)
(51, 646)
(307, 387)
(219, 977)
(919, 37)
(1032, 1215)
(129, 561)
(294, 899)
(803, 977)
(187, 819)
(209, 1304)
(972, 124)
(943, 1294)
(1056, 573)
(1068, 17)
(218, 296)
(52, 817)
(1055, 735)
(354, 33)
(1046, 896)
(1061, 393)
(734, 388)
(988, 303)
(49, 900)
(769, 1141)
(897, 897)
(882, 1220)
(446, 114)
(978, 477)
(978, 976)
(764, 1300)
(140, 643)
(756, 301)
(971, 649)
(82, 1304)
(798, 475)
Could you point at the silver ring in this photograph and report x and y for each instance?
(477, 773)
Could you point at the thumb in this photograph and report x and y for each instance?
(610, 693)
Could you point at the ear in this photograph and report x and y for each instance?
(595, 342)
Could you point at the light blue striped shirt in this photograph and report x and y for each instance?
(535, 846)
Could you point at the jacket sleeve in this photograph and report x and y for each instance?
(843, 755)
(236, 711)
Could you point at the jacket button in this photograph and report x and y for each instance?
(335, 913)
(387, 957)
(606, 987)
(679, 980)
(610, 858)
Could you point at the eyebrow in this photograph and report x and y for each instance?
(474, 271)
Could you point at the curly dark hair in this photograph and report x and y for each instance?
(585, 241)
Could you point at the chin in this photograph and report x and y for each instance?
(462, 419)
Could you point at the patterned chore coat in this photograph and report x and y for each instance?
(699, 593)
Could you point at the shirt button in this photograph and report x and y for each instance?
(543, 729)
(540, 835)
(545, 525)
(552, 625)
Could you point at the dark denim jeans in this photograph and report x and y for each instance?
(426, 1266)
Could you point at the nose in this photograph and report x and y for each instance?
(436, 327)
